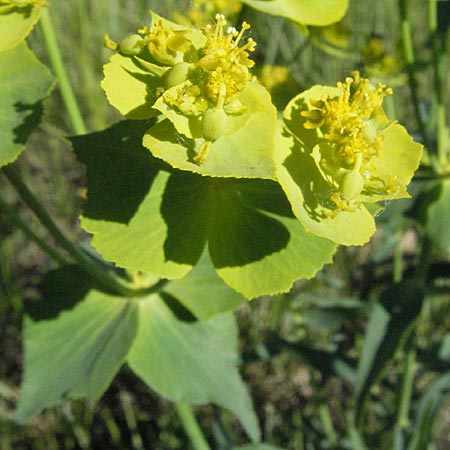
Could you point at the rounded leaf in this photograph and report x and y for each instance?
(20, 107)
(255, 244)
(307, 12)
(130, 87)
(183, 361)
(305, 188)
(16, 23)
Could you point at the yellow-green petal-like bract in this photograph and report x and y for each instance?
(336, 153)
(307, 12)
(16, 22)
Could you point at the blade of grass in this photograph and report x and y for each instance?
(191, 427)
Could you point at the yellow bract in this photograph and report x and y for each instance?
(351, 123)
(8, 5)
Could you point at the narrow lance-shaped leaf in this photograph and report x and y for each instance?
(438, 223)
(427, 411)
(390, 324)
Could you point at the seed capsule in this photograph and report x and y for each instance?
(131, 45)
(176, 75)
(351, 184)
(214, 122)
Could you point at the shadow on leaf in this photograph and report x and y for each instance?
(119, 170)
(61, 289)
(236, 217)
(152, 83)
(305, 174)
(31, 118)
(244, 229)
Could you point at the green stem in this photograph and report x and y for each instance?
(407, 388)
(106, 278)
(398, 264)
(327, 424)
(438, 91)
(191, 427)
(65, 87)
(353, 433)
(14, 218)
(408, 53)
(131, 420)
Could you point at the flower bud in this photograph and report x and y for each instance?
(131, 45)
(214, 122)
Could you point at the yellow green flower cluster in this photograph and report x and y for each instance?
(351, 123)
(335, 151)
(202, 71)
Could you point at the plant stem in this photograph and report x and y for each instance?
(106, 278)
(327, 423)
(353, 434)
(438, 91)
(407, 387)
(398, 264)
(131, 420)
(408, 54)
(14, 218)
(191, 427)
(65, 87)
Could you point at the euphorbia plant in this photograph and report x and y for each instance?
(202, 183)
(334, 153)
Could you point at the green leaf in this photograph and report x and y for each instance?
(193, 362)
(319, 12)
(255, 244)
(245, 149)
(438, 223)
(400, 157)
(147, 242)
(75, 347)
(119, 170)
(130, 87)
(20, 107)
(145, 218)
(427, 410)
(257, 447)
(258, 249)
(15, 25)
(203, 293)
(390, 324)
(305, 187)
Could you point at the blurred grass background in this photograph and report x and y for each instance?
(295, 401)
